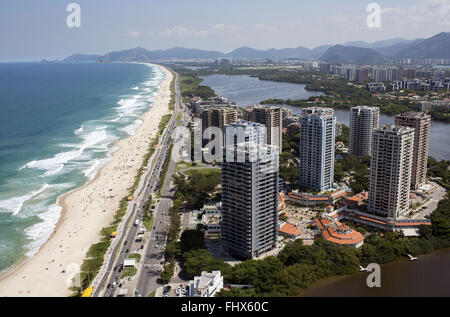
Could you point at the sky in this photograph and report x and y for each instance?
(34, 30)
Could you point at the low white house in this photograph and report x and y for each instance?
(206, 285)
(129, 263)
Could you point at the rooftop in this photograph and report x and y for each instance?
(290, 229)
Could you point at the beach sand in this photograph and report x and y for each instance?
(84, 215)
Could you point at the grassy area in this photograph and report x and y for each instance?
(148, 218)
(136, 256)
(128, 271)
(172, 93)
(152, 294)
(204, 172)
(148, 223)
(183, 165)
(163, 123)
(164, 171)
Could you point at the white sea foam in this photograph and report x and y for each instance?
(56, 163)
(78, 131)
(40, 232)
(94, 168)
(135, 88)
(129, 106)
(131, 129)
(14, 204)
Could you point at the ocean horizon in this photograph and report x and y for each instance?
(58, 127)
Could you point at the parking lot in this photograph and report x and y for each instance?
(173, 290)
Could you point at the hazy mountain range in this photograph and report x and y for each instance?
(357, 52)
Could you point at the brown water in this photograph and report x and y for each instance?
(428, 276)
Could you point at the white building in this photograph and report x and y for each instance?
(206, 285)
(129, 263)
(317, 134)
(250, 185)
(363, 121)
(390, 171)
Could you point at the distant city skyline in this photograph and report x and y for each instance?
(37, 30)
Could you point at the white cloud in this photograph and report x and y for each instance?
(182, 31)
(134, 34)
(431, 14)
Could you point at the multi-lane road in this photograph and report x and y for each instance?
(151, 249)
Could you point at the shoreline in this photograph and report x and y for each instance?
(322, 286)
(39, 275)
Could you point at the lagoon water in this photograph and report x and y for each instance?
(246, 91)
(428, 276)
(58, 123)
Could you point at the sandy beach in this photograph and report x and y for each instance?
(86, 211)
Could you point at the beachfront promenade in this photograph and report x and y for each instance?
(148, 270)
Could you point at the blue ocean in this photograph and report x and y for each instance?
(58, 123)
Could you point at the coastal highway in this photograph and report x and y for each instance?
(152, 265)
(154, 246)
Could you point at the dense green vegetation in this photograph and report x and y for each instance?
(290, 172)
(344, 137)
(198, 190)
(190, 85)
(357, 168)
(440, 115)
(191, 239)
(191, 193)
(172, 93)
(148, 218)
(297, 265)
(303, 265)
(165, 170)
(441, 170)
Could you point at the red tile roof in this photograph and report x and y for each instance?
(290, 230)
